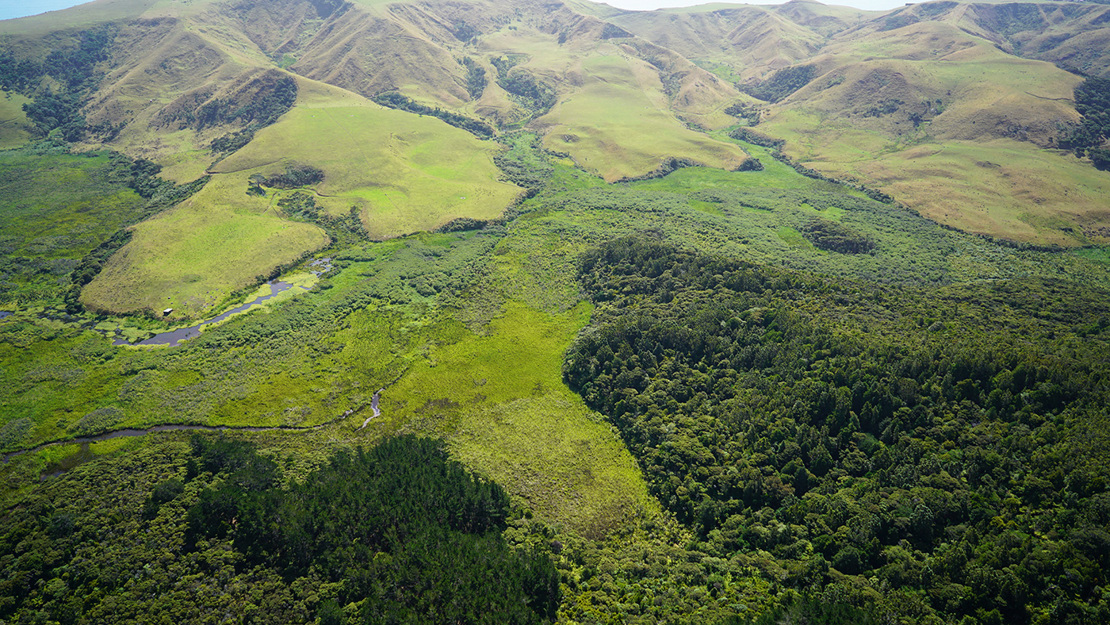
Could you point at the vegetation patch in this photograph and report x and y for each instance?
(1089, 138)
(97, 421)
(782, 83)
(475, 78)
(475, 127)
(296, 175)
(59, 208)
(833, 237)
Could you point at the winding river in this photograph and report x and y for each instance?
(173, 337)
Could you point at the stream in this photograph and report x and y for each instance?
(173, 337)
(374, 406)
(128, 432)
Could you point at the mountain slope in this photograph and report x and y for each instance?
(952, 108)
(911, 110)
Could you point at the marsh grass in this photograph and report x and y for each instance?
(56, 208)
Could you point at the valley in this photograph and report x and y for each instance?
(554, 313)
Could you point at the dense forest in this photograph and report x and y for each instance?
(1089, 137)
(394, 534)
(938, 463)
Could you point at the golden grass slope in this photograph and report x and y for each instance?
(614, 114)
(916, 111)
(744, 42)
(750, 41)
(1073, 35)
(1070, 34)
(964, 86)
(163, 68)
(617, 124)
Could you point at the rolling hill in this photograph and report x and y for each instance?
(723, 314)
(877, 96)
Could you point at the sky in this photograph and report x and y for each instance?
(21, 8)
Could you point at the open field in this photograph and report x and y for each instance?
(403, 172)
(193, 256)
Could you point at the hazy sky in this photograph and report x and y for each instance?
(20, 8)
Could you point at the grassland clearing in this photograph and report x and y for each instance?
(500, 401)
(14, 125)
(193, 256)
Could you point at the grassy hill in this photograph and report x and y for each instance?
(400, 172)
(601, 258)
(908, 108)
(737, 42)
(874, 85)
(874, 98)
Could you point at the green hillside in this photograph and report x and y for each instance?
(724, 314)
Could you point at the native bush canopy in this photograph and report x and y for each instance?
(926, 462)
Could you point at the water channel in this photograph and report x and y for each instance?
(173, 337)
(129, 432)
